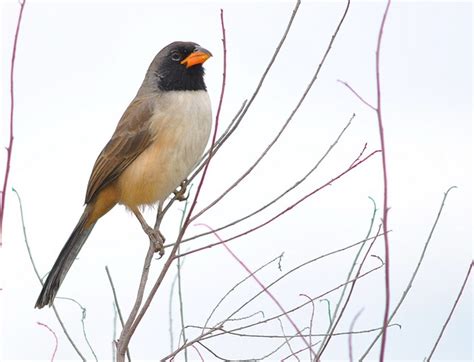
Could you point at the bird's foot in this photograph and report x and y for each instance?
(156, 239)
(179, 194)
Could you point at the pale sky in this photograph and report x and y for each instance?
(80, 63)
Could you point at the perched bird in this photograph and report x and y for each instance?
(157, 143)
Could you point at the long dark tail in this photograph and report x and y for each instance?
(65, 259)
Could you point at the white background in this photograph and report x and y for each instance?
(78, 66)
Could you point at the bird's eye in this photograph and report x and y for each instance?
(175, 56)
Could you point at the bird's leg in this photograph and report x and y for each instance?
(182, 190)
(156, 237)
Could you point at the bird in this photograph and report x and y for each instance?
(157, 143)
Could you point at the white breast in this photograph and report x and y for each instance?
(180, 125)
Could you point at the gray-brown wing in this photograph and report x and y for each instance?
(130, 139)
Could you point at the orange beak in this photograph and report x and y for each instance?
(198, 56)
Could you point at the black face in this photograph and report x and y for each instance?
(172, 75)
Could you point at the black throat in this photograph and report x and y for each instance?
(172, 78)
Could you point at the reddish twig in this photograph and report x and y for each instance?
(357, 95)
(264, 288)
(55, 339)
(378, 110)
(12, 108)
(385, 185)
(351, 167)
(451, 312)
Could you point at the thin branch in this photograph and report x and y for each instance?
(280, 336)
(12, 109)
(55, 339)
(351, 357)
(385, 184)
(310, 323)
(264, 288)
(336, 322)
(197, 351)
(333, 321)
(235, 287)
(299, 351)
(212, 352)
(287, 340)
(281, 195)
(357, 95)
(38, 276)
(127, 330)
(328, 308)
(116, 304)
(308, 262)
(83, 322)
(301, 305)
(293, 112)
(178, 275)
(328, 183)
(279, 347)
(190, 343)
(412, 279)
(452, 311)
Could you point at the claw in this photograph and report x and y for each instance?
(179, 194)
(157, 239)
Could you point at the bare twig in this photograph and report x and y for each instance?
(299, 351)
(333, 320)
(351, 357)
(190, 343)
(264, 288)
(12, 108)
(293, 112)
(38, 276)
(212, 352)
(280, 336)
(197, 351)
(328, 183)
(452, 311)
(310, 323)
(412, 279)
(336, 322)
(357, 95)
(235, 287)
(127, 330)
(281, 195)
(287, 340)
(55, 339)
(328, 308)
(83, 322)
(385, 184)
(116, 304)
(301, 305)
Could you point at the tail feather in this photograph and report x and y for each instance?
(64, 261)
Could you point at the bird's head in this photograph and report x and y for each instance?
(178, 66)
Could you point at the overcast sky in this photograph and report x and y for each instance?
(80, 63)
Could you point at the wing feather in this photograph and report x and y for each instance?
(131, 137)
